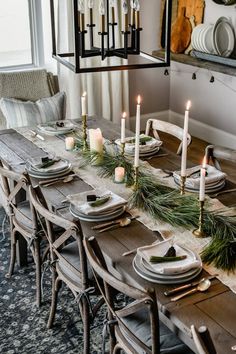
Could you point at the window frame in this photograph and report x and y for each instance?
(36, 38)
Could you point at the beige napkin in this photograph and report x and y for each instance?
(150, 145)
(178, 267)
(80, 202)
(214, 176)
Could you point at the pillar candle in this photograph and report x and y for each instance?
(185, 141)
(202, 185)
(70, 143)
(137, 133)
(122, 139)
(96, 140)
(119, 174)
(84, 104)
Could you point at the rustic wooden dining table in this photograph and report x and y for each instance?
(215, 308)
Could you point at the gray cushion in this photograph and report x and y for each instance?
(71, 253)
(18, 113)
(139, 324)
(23, 214)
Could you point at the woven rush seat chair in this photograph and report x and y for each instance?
(156, 125)
(215, 153)
(69, 264)
(22, 222)
(134, 328)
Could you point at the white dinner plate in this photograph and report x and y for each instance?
(224, 37)
(57, 167)
(118, 213)
(142, 272)
(209, 189)
(49, 176)
(52, 129)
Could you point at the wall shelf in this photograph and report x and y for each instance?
(204, 64)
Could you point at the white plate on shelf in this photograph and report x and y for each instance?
(224, 37)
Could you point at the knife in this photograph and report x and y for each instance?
(101, 226)
(189, 285)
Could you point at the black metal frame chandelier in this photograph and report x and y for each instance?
(130, 33)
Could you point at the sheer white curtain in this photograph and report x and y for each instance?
(107, 92)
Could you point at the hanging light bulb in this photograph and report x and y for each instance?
(166, 72)
(212, 79)
(194, 76)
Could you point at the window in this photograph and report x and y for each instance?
(20, 33)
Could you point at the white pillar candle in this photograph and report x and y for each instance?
(202, 185)
(137, 133)
(70, 143)
(96, 140)
(185, 141)
(119, 174)
(84, 104)
(122, 138)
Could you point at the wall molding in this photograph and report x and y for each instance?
(198, 129)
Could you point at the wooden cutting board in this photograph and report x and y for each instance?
(193, 8)
(180, 32)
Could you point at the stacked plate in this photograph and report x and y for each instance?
(215, 179)
(84, 210)
(56, 168)
(56, 128)
(166, 272)
(148, 145)
(216, 39)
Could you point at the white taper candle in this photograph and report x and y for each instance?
(185, 141)
(137, 135)
(122, 138)
(202, 185)
(84, 104)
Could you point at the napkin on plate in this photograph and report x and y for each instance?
(80, 202)
(214, 176)
(150, 145)
(58, 165)
(178, 267)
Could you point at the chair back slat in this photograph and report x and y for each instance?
(214, 153)
(142, 299)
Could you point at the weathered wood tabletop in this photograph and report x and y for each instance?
(216, 308)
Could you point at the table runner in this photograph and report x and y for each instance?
(181, 235)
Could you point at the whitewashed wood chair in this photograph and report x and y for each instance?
(202, 340)
(215, 153)
(156, 125)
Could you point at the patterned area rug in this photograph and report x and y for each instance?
(23, 325)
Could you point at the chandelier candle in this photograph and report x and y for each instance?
(122, 138)
(125, 12)
(81, 10)
(137, 14)
(90, 6)
(184, 148)
(132, 5)
(102, 13)
(112, 6)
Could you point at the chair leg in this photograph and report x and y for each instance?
(13, 254)
(37, 259)
(86, 322)
(56, 284)
(117, 349)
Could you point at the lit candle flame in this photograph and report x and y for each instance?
(139, 99)
(124, 115)
(84, 94)
(188, 105)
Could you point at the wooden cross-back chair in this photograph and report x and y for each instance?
(156, 125)
(215, 153)
(69, 263)
(22, 221)
(203, 340)
(134, 328)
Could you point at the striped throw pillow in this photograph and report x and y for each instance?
(19, 114)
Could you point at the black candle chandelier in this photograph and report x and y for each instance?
(85, 31)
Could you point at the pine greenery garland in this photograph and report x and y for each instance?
(165, 203)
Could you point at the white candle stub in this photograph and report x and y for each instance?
(84, 104)
(202, 185)
(119, 174)
(96, 140)
(185, 141)
(70, 143)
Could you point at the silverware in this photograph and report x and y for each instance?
(36, 135)
(48, 182)
(113, 222)
(233, 348)
(123, 223)
(204, 285)
(223, 192)
(190, 285)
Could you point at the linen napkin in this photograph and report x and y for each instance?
(214, 176)
(149, 145)
(178, 267)
(58, 165)
(80, 202)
